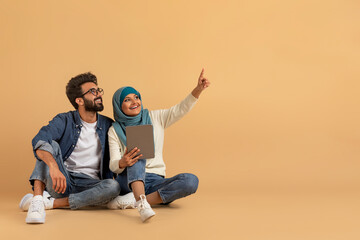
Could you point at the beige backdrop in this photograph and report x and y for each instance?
(281, 115)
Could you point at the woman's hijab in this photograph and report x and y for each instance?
(122, 120)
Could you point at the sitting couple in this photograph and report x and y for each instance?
(81, 158)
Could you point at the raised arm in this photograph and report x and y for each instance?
(167, 117)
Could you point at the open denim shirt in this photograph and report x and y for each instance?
(65, 129)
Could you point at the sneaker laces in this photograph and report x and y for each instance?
(37, 205)
(48, 202)
(47, 198)
(142, 202)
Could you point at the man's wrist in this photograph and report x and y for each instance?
(53, 166)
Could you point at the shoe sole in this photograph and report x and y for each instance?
(23, 200)
(35, 220)
(148, 218)
(116, 207)
(127, 207)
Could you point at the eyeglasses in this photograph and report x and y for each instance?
(94, 91)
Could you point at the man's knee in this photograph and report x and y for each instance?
(191, 183)
(112, 187)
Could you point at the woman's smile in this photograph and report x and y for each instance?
(131, 105)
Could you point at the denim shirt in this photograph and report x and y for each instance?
(65, 129)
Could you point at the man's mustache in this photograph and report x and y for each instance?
(98, 98)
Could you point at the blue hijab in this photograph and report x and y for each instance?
(122, 120)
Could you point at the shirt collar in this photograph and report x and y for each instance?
(78, 120)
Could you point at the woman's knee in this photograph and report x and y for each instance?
(136, 172)
(138, 168)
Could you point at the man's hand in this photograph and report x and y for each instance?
(58, 179)
(129, 158)
(202, 84)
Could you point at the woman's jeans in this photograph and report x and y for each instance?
(81, 189)
(169, 189)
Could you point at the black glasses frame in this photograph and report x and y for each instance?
(94, 91)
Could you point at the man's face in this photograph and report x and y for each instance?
(92, 103)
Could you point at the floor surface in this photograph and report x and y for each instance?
(245, 215)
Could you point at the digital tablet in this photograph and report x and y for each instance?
(142, 137)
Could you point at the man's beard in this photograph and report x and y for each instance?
(91, 106)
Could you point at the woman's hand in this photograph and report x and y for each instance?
(129, 158)
(202, 84)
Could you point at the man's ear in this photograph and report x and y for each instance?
(79, 101)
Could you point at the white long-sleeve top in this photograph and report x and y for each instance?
(160, 119)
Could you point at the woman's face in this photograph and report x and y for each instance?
(131, 105)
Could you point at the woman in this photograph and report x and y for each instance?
(146, 177)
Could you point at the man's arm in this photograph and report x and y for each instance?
(58, 179)
(43, 149)
(51, 132)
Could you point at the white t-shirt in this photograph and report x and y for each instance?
(86, 156)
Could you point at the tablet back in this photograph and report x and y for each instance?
(142, 137)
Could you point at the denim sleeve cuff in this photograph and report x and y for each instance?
(45, 146)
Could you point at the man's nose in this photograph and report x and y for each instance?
(98, 93)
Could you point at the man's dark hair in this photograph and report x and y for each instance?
(73, 88)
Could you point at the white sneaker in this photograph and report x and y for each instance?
(25, 202)
(122, 202)
(144, 208)
(36, 213)
(48, 200)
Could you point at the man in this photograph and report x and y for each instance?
(72, 155)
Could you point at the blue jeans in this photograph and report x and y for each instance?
(169, 189)
(81, 189)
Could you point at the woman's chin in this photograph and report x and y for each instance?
(132, 113)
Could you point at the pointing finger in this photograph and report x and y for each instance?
(201, 74)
